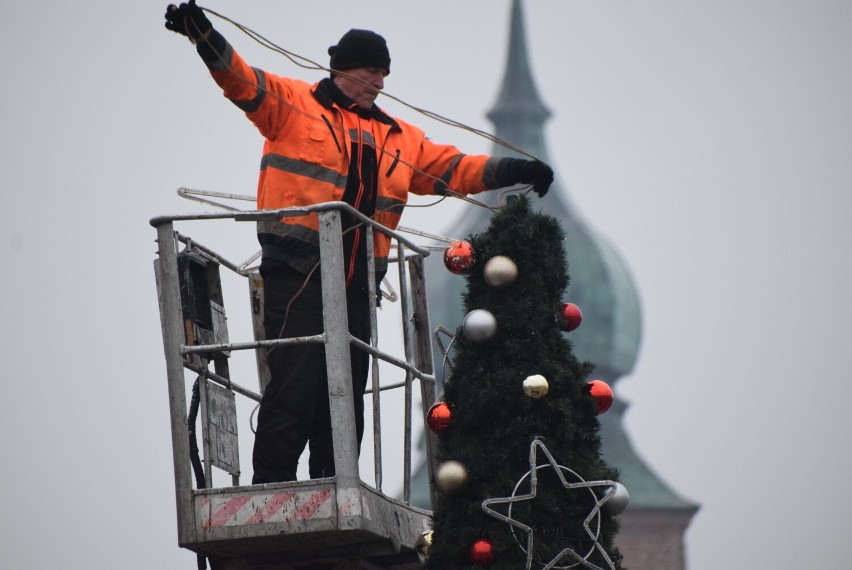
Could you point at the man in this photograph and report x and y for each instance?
(324, 142)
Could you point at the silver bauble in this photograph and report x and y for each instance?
(536, 386)
(451, 477)
(479, 325)
(618, 500)
(500, 271)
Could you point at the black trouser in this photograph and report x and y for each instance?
(294, 409)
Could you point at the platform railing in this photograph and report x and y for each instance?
(416, 364)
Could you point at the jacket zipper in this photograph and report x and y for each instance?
(333, 134)
(357, 232)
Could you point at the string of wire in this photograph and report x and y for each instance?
(309, 64)
(312, 65)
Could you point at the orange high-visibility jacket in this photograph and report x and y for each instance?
(307, 151)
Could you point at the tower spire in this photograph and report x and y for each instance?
(519, 113)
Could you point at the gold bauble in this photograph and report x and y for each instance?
(500, 271)
(451, 477)
(536, 386)
(422, 545)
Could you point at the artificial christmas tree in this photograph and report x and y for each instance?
(525, 485)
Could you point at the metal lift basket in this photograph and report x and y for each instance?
(337, 523)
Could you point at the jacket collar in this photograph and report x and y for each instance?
(328, 94)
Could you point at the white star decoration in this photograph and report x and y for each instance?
(567, 553)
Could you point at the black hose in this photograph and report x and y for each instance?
(194, 458)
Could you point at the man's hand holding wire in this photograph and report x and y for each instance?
(188, 20)
(519, 171)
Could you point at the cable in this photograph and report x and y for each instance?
(314, 66)
(307, 63)
(195, 460)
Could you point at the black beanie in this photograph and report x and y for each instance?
(360, 48)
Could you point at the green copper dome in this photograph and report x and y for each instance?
(600, 283)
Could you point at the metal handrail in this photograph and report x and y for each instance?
(272, 215)
(416, 365)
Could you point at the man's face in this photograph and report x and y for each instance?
(362, 84)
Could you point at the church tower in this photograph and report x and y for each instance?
(653, 526)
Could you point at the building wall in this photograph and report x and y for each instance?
(653, 539)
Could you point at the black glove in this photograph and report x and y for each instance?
(187, 19)
(517, 170)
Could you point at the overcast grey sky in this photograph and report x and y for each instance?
(711, 142)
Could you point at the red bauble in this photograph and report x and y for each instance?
(482, 552)
(601, 393)
(459, 257)
(439, 417)
(572, 316)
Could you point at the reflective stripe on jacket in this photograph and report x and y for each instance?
(307, 151)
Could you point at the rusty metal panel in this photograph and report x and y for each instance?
(338, 364)
(171, 318)
(288, 510)
(222, 428)
(220, 323)
(303, 520)
(256, 301)
(393, 520)
(323, 551)
(243, 512)
(423, 361)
